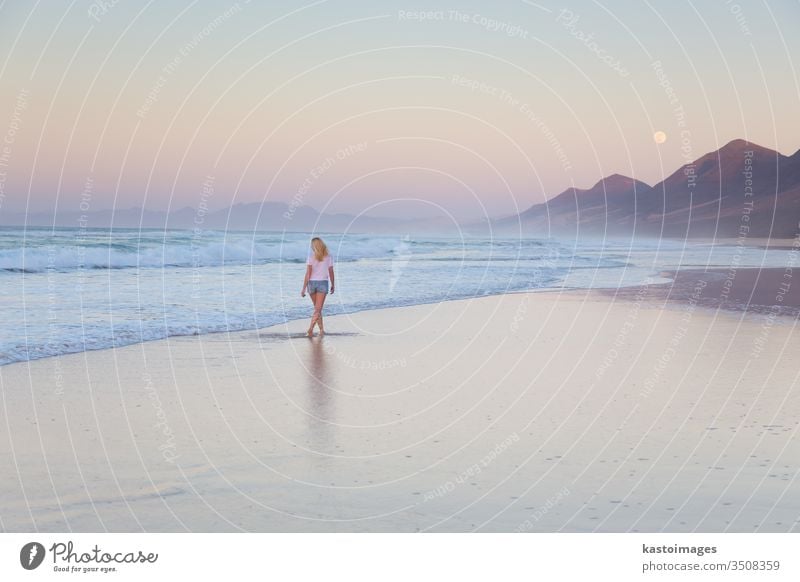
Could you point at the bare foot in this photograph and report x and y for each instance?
(310, 332)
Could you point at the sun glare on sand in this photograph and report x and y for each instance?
(659, 137)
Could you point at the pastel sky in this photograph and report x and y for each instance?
(418, 108)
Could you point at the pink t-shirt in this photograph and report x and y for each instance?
(319, 269)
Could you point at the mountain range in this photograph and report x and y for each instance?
(742, 189)
(272, 216)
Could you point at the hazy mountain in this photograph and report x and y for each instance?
(275, 216)
(609, 204)
(741, 186)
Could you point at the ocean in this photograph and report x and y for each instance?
(68, 290)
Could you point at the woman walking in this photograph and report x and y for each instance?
(319, 273)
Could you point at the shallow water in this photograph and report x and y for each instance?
(68, 290)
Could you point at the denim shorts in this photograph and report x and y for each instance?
(318, 287)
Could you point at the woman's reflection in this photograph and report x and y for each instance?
(320, 397)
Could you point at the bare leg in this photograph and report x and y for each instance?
(315, 317)
(319, 303)
(313, 297)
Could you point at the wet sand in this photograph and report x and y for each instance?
(765, 291)
(527, 412)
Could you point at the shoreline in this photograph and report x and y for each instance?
(750, 291)
(680, 291)
(545, 411)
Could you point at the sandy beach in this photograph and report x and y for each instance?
(580, 411)
(767, 291)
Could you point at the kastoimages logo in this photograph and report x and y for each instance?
(31, 555)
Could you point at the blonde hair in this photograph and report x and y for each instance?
(319, 247)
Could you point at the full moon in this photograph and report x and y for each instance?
(659, 137)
